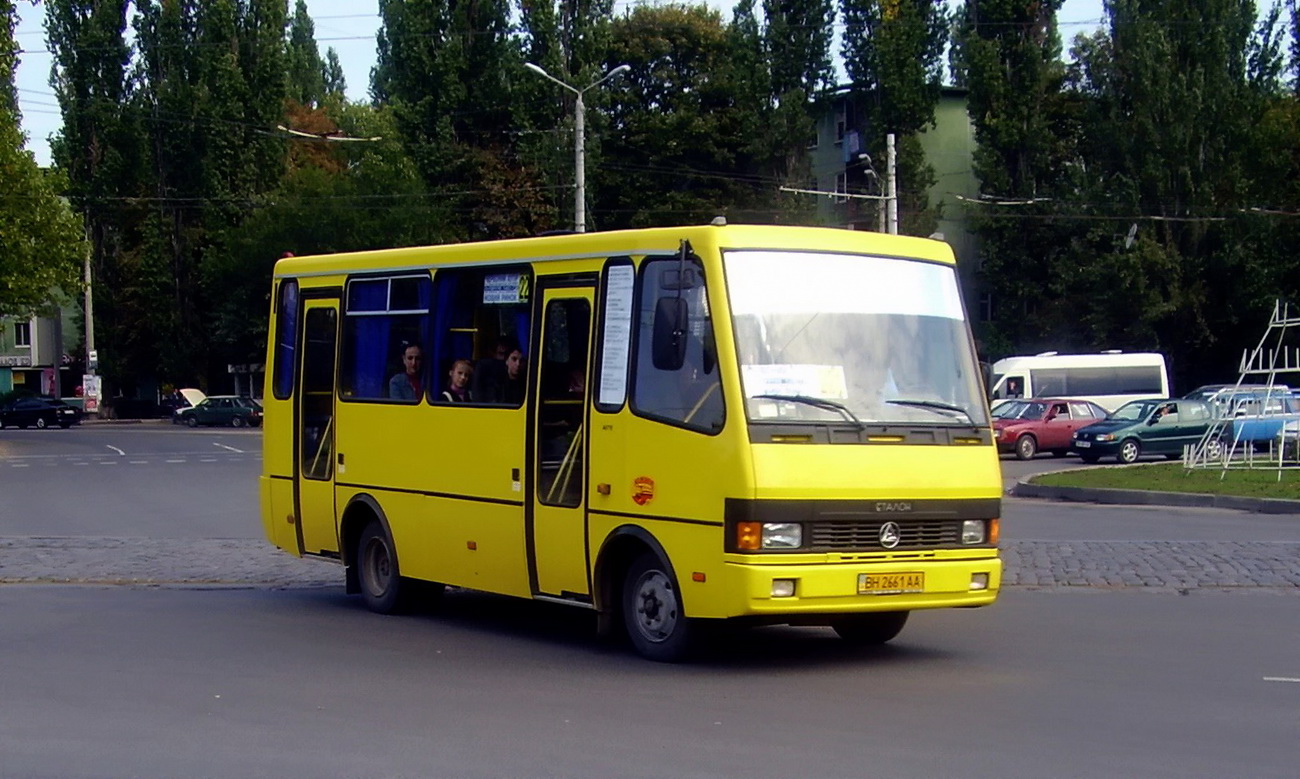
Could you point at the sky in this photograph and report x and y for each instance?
(346, 25)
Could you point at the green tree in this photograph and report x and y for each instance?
(41, 241)
(1026, 128)
(893, 54)
(1175, 93)
(306, 70)
(675, 152)
(99, 149)
(450, 72)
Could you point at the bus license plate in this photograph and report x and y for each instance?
(890, 583)
(1083, 444)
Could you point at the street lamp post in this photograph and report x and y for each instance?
(579, 140)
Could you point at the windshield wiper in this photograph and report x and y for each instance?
(932, 404)
(822, 403)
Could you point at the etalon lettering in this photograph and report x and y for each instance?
(893, 507)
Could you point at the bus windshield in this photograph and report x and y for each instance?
(852, 339)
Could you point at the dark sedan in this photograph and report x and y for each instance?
(223, 410)
(1145, 427)
(39, 413)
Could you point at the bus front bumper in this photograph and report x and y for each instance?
(849, 587)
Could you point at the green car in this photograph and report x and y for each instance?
(1161, 427)
(223, 410)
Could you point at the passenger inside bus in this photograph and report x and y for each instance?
(409, 384)
(458, 382)
(500, 379)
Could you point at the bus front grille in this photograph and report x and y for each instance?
(865, 534)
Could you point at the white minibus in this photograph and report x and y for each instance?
(1110, 379)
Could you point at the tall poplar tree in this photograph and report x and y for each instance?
(1008, 53)
(449, 71)
(41, 245)
(99, 149)
(1175, 92)
(893, 54)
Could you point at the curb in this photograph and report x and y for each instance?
(1111, 496)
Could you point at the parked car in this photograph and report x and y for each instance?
(1035, 425)
(1145, 427)
(39, 412)
(1209, 391)
(180, 400)
(1256, 420)
(223, 410)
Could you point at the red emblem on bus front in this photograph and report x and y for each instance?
(643, 490)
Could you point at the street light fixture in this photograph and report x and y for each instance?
(579, 140)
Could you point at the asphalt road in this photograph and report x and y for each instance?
(1127, 642)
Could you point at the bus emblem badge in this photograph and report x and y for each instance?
(643, 490)
(890, 535)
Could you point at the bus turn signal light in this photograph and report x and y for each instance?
(748, 535)
(993, 532)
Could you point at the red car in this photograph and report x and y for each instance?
(1032, 425)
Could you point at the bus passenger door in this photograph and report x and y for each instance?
(558, 443)
(314, 444)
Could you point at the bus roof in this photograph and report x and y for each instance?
(656, 240)
(1077, 360)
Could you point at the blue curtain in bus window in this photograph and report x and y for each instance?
(369, 345)
(446, 345)
(521, 327)
(287, 339)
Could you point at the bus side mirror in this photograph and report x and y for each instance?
(668, 345)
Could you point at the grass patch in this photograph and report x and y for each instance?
(1172, 477)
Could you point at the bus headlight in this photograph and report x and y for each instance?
(972, 531)
(782, 535)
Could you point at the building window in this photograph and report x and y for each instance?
(841, 187)
(23, 334)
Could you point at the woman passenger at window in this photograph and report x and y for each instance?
(408, 385)
(458, 382)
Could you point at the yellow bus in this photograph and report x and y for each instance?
(673, 427)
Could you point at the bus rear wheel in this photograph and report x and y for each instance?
(382, 586)
(870, 629)
(652, 612)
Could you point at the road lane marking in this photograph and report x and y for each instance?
(115, 449)
(175, 461)
(21, 465)
(231, 448)
(207, 459)
(108, 462)
(1281, 679)
(81, 463)
(137, 462)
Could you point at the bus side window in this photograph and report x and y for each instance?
(476, 312)
(286, 345)
(689, 395)
(384, 326)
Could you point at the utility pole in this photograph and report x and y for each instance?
(91, 402)
(891, 204)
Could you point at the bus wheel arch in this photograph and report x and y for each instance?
(620, 550)
(360, 512)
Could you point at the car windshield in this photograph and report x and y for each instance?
(1019, 409)
(1132, 412)
(852, 339)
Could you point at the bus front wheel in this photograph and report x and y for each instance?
(652, 612)
(382, 585)
(870, 629)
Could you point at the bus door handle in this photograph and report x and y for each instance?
(340, 458)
